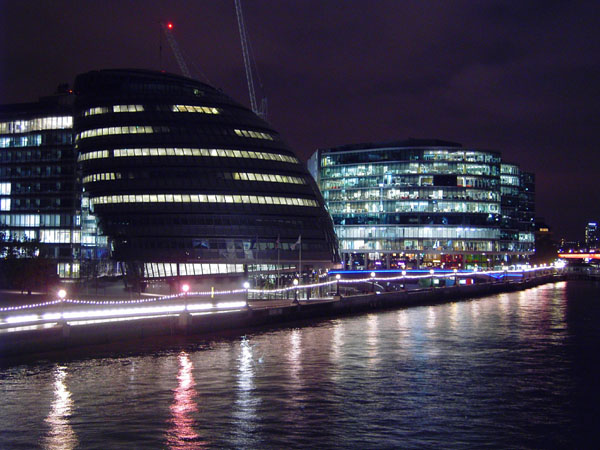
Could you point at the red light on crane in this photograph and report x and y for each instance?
(170, 25)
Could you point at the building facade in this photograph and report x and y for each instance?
(186, 182)
(592, 236)
(39, 197)
(419, 203)
(517, 231)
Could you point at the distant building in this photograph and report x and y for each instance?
(592, 236)
(545, 247)
(426, 202)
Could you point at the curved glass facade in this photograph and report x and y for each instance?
(186, 181)
(413, 202)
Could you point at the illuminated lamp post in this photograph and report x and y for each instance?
(403, 279)
(455, 277)
(184, 289)
(295, 290)
(337, 290)
(61, 294)
(431, 272)
(372, 281)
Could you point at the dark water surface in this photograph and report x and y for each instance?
(513, 370)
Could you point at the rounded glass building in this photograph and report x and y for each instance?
(408, 203)
(185, 181)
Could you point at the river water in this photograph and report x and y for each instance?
(516, 370)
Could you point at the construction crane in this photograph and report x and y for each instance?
(262, 109)
(167, 28)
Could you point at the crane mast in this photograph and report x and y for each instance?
(262, 110)
(175, 47)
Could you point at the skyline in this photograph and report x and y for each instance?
(510, 76)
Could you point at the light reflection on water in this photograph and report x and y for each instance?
(511, 370)
(61, 434)
(182, 434)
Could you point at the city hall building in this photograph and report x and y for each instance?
(418, 203)
(184, 181)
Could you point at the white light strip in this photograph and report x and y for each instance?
(116, 313)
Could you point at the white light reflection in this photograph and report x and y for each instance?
(453, 316)
(372, 338)
(403, 326)
(337, 341)
(182, 435)
(246, 401)
(61, 434)
(431, 317)
(294, 358)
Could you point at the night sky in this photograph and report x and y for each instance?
(522, 77)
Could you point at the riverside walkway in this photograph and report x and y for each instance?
(64, 323)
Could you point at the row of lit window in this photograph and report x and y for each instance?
(509, 180)
(406, 181)
(195, 109)
(406, 154)
(254, 134)
(140, 108)
(34, 220)
(412, 206)
(422, 245)
(422, 194)
(55, 236)
(109, 131)
(412, 232)
(44, 123)
(268, 177)
(36, 140)
(202, 198)
(450, 168)
(205, 152)
(114, 108)
(108, 176)
(156, 270)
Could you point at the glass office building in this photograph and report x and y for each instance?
(39, 198)
(414, 203)
(517, 190)
(185, 181)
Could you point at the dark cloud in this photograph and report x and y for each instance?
(521, 76)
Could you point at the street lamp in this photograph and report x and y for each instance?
(431, 272)
(337, 278)
(372, 281)
(185, 288)
(62, 294)
(295, 290)
(403, 279)
(455, 278)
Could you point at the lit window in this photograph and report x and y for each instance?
(43, 123)
(195, 109)
(268, 178)
(202, 198)
(120, 130)
(254, 134)
(193, 152)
